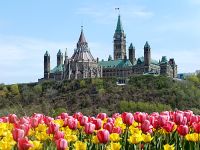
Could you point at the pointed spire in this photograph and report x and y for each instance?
(46, 53)
(59, 52)
(146, 45)
(119, 25)
(131, 46)
(66, 52)
(82, 37)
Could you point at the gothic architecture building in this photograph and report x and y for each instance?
(83, 65)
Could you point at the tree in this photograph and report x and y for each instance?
(14, 89)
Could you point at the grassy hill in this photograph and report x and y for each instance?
(90, 96)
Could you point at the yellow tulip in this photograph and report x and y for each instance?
(114, 137)
(80, 145)
(169, 147)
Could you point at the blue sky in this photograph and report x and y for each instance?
(30, 27)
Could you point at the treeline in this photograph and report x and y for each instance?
(90, 96)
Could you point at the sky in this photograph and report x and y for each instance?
(30, 27)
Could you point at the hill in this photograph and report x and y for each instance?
(90, 96)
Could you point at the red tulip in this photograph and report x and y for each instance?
(34, 122)
(102, 116)
(23, 144)
(196, 127)
(52, 128)
(188, 114)
(58, 135)
(117, 130)
(77, 115)
(193, 119)
(162, 119)
(72, 123)
(169, 126)
(116, 115)
(108, 126)
(140, 117)
(89, 128)
(179, 118)
(98, 123)
(183, 130)
(103, 136)
(154, 121)
(18, 134)
(83, 120)
(64, 115)
(61, 144)
(127, 118)
(12, 118)
(146, 127)
(110, 120)
(26, 127)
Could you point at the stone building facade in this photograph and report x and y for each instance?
(83, 65)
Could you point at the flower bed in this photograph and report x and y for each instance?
(139, 130)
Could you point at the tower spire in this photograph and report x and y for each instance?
(82, 37)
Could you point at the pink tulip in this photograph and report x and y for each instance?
(64, 115)
(12, 118)
(179, 118)
(52, 128)
(140, 117)
(83, 120)
(196, 127)
(34, 122)
(77, 115)
(146, 127)
(169, 126)
(61, 144)
(127, 118)
(98, 123)
(162, 119)
(103, 136)
(193, 119)
(117, 130)
(89, 128)
(102, 116)
(17, 134)
(72, 123)
(23, 144)
(58, 135)
(183, 130)
(108, 126)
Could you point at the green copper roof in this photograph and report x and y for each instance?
(164, 59)
(46, 53)
(146, 45)
(57, 69)
(115, 64)
(141, 60)
(119, 25)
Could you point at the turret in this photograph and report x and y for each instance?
(46, 65)
(66, 57)
(119, 41)
(109, 58)
(147, 54)
(59, 58)
(131, 51)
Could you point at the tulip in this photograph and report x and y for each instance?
(169, 126)
(64, 115)
(25, 127)
(23, 144)
(193, 119)
(183, 130)
(12, 118)
(102, 116)
(146, 127)
(196, 127)
(72, 123)
(83, 120)
(179, 118)
(61, 144)
(108, 126)
(127, 118)
(34, 122)
(162, 119)
(103, 136)
(58, 135)
(140, 117)
(98, 123)
(117, 130)
(52, 128)
(77, 115)
(18, 134)
(89, 128)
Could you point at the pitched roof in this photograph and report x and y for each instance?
(115, 63)
(119, 25)
(140, 60)
(57, 69)
(82, 38)
(146, 45)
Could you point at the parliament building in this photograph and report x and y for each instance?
(82, 64)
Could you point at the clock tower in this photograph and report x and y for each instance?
(119, 41)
